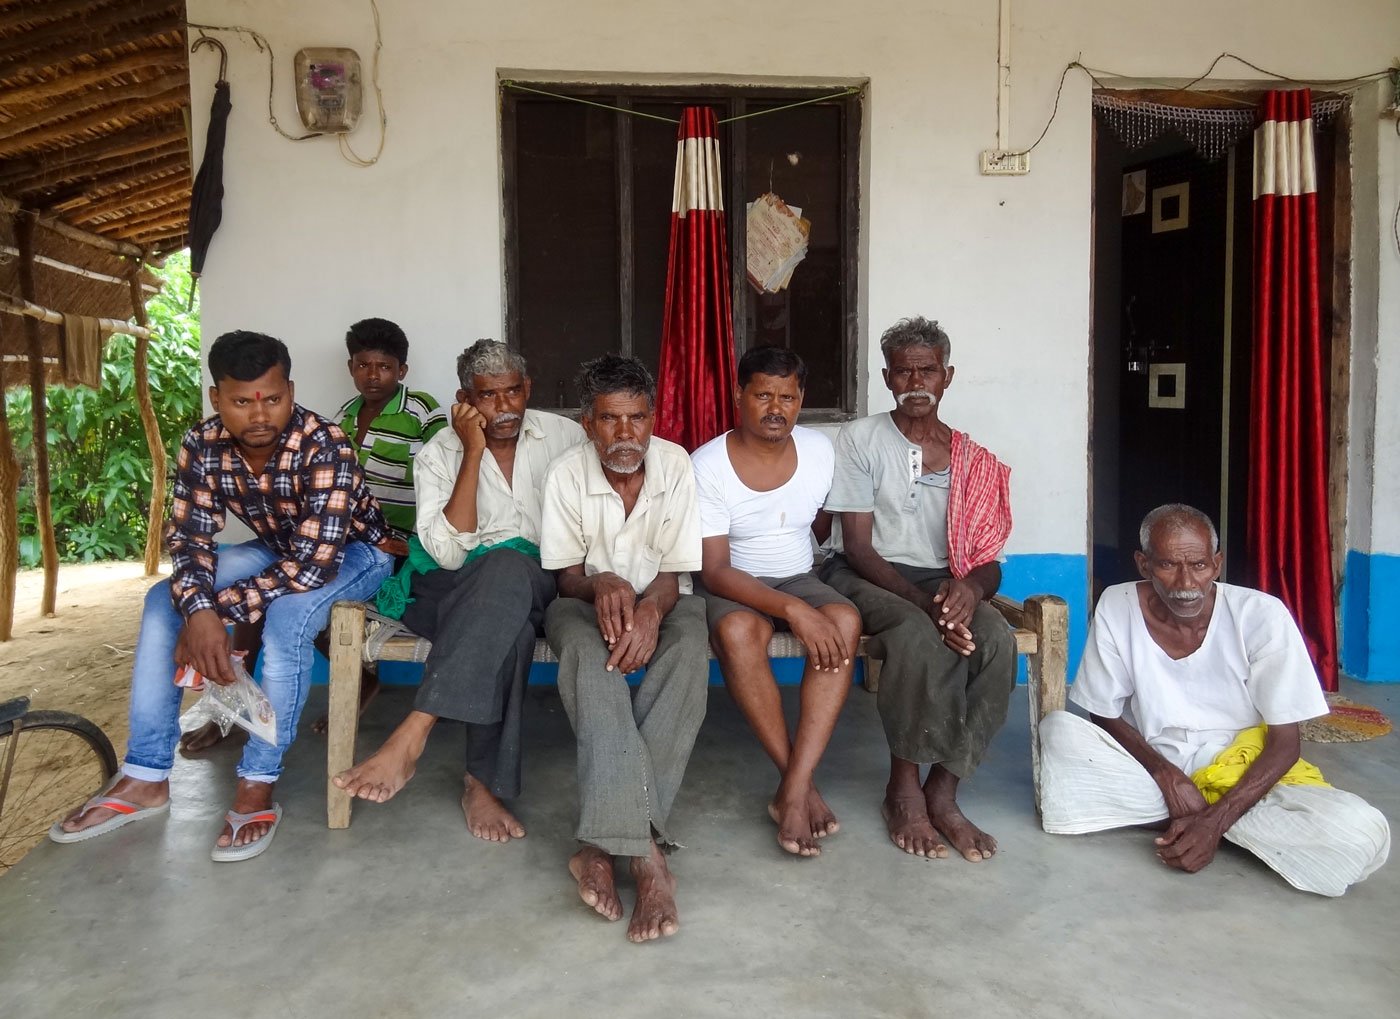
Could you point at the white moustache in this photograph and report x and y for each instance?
(504, 419)
(917, 394)
(611, 462)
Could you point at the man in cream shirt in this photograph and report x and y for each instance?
(478, 487)
(620, 526)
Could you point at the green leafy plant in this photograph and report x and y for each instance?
(99, 466)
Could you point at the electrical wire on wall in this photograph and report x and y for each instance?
(1097, 76)
(260, 41)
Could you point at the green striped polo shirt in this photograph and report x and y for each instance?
(392, 441)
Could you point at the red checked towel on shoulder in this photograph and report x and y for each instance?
(979, 506)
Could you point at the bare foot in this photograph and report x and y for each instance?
(824, 822)
(388, 769)
(248, 798)
(369, 686)
(143, 794)
(654, 915)
(972, 842)
(910, 829)
(208, 735)
(487, 817)
(796, 829)
(593, 870)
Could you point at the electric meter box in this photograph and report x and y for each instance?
(329, 96)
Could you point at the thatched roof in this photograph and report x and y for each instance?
(94, 104)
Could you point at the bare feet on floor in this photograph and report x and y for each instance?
(972, 842)
(906, 817)
(654, 916)
(369, 686)
(388, 769)
(593, 870)
(249, 798)
(143, 794)
(208, 735)
(487, 817)
(824, 822)
(798, 828)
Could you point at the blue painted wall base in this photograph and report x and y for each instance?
(1022, 575)
(1370, 616)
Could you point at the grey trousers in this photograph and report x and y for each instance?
(632, 748)
(937, 706)
(482, 620)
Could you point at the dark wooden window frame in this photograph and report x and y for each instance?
(734, 101)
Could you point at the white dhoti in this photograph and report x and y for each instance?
(1319, 839)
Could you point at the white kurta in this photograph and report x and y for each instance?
(1252, 668)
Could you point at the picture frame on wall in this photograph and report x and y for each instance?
(1171, 207)
(1135, 193)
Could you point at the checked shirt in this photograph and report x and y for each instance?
(309, 500)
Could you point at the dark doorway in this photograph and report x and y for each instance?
(1172, 338)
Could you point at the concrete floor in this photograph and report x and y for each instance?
(405, 915)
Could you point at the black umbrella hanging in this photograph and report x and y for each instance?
(207, 197)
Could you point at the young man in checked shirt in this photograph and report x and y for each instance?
(293, 478)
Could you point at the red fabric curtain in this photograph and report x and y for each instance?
(695, 388)
(1289, 543)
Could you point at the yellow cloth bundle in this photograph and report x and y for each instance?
(1229, 766)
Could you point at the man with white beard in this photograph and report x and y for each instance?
(622, 528)
(924, 513)
(1194, 691)
(478, 486)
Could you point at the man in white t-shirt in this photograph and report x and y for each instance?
(621, 529)
(761, 489)
(1179, 674)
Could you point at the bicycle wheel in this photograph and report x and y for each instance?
(59, 759)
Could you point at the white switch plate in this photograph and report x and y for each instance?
(1000, 163)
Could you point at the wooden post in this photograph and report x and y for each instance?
(1046, 672)
(9, 517)
(155, 519)
(24, 229)
(347, 644)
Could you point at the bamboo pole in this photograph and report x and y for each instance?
(9, 519)
(87, 46)
(145, 192)
(82, 77)
(24, 228)
(86, 102)
(19, 306)
(71, 232)
(83, 157)
(155, 519)
(176, 95)
(101, 30)
(76, 270)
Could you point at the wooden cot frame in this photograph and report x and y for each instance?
(1041, 626)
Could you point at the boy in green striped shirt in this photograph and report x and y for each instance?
(387, 421)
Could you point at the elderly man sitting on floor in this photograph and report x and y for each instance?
(1195, 690)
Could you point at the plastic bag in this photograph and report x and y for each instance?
(241, 703)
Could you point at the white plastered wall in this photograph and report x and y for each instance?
(309, 244)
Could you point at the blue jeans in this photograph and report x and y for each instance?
(293, 621)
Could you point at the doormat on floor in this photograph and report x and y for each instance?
(1348, 722)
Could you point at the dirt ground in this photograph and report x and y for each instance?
(80, 659)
